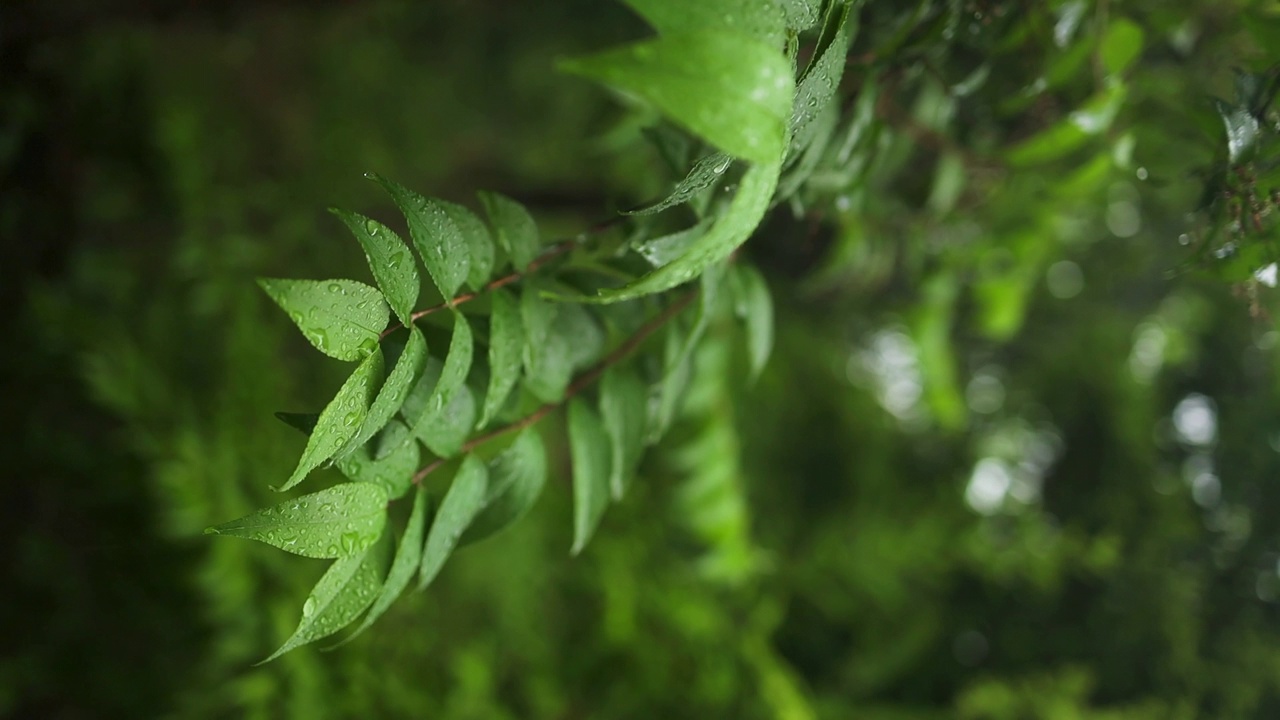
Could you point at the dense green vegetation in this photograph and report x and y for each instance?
(1012, 456)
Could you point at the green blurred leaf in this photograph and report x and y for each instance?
(753, 304)
(405, 564)
(818, 85)
(760, 19)
(440, 244)
(624, 401)
(393, 471)
(547, 358)
(445, 419)
(394, 391)
(1121, 45)
(517, 232)
(342, 593)
(733, 91)
(336, 522)
(704, 173)
(1072, 132)
(306, 422)
(465, 499)
(341, 318)
(506, 341)
(1242, 127)
(516, 478)
(589, 448)
(479, 244)
(390, 260)
(341, 419)
(730, 231)
(662, 250)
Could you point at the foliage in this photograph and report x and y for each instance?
(966, 485)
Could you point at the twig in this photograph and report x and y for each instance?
(579, 384)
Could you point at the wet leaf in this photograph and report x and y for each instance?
(341, 419)
(732, 90)
(394, 391)
(506, 341)
(390, 260)
(818, 85)
(704, 173)
(516, 478)
(341, 318)
(440, 244)
(405, 564)
(801, 14)
(1242, 129)
(753, 304)
(730, 231)
(623, 407)
(466, 497)
(517, 232)
(393, 471)
(589, 449)
(343, 592)
(440, 411)
(336, 522)
(480, 245)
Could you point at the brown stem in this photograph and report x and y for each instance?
(579, 384)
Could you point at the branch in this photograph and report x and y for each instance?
(552, 253)
(579, 384)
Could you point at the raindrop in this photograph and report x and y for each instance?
(351, 419)
(335, 287)
(371, 226)
(309, 608)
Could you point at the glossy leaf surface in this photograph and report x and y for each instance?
(341, 318)
(589, 448)
(516, 478)
(464, 500)
(506, 342)
(336, 522)
(341, 594)
(437, 238)
(390, 260)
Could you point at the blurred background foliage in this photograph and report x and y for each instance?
(1015, 455)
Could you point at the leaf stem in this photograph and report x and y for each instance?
(579, 384)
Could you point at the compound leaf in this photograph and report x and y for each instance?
(339, 521)
(465, 498)
(341, 419)
(476, 236)
(341, 318)
(440, 243)
(394, 391)
(589, 451)
(390, 260)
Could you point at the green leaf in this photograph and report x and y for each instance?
(761, 19)
(476, 236)
(730, 231)
(733, 91)
(395, 390)
(676, 373)
(390, 260)
(1073, 132)
(516, 229)
(342, 593)
(516, 479)
(460, 506)
(662, 250)
(340, 420)
(1121, 45)
(340, 521)
(341, 318)
(624, 402)
(439, 412)
(704, 173)
(589, 449)
(801, 14)
(506, 342)
(408, 556)
(1243, 129)
(820, 81)
(547, 359)
(580, 333)
(392, 471)
(753, 304)
(439, 242)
